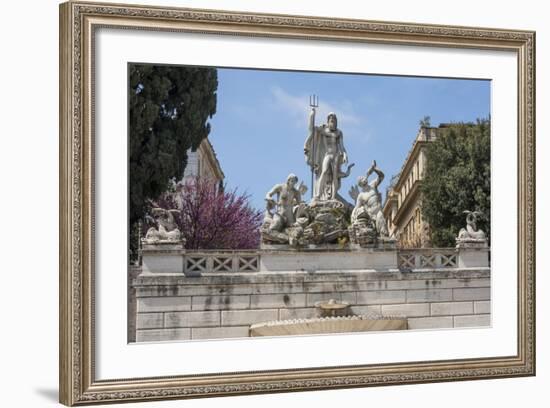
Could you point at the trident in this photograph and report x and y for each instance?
(313, 103)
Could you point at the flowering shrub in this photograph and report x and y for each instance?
(211, 218)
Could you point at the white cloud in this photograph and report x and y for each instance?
(297, 107)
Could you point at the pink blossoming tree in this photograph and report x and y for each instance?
(211, 218)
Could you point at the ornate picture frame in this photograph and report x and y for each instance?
(79, 22)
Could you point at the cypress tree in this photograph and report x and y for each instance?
(169, 108)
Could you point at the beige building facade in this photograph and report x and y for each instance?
(203, 163)
(403, 205)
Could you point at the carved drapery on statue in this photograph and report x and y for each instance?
(325, 153)
(314, 151)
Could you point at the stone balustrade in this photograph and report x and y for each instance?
(200, 262)
(221, 261)
(428, 258)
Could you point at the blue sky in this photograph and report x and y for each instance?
(260, 125)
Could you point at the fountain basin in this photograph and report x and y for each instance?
(325, 325)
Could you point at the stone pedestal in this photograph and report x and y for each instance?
(328, 258)
(163, 257)
(472, 253)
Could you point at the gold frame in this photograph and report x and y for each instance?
(78, 22)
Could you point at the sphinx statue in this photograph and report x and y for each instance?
(471, 233)
(166, 230)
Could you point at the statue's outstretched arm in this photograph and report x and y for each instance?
(311, 126)
(379, 174)
(275, 190)
(380, 177)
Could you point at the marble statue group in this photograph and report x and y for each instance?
(328, 218)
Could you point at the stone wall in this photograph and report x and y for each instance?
(133, 272)
(224, 305)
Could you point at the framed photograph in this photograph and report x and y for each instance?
(255, 203)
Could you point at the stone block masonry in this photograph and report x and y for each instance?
(172, 307)
(133, 272)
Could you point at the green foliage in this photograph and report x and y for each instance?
(457, 178)
(169, 107)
